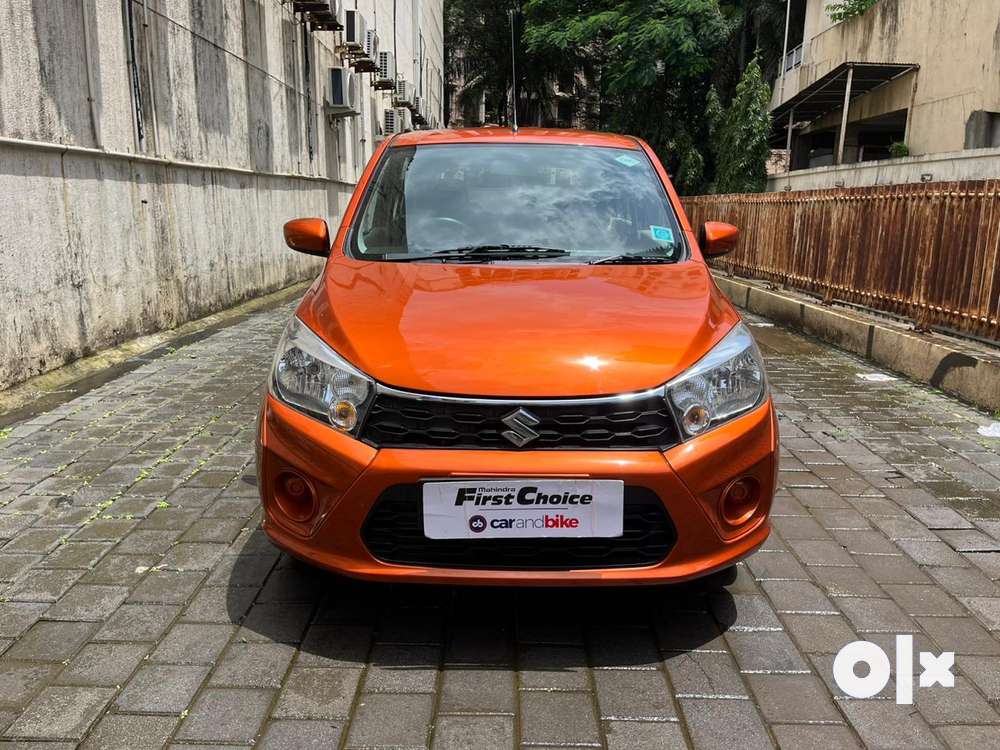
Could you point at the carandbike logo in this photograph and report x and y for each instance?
(557, 521)
(936, 669)
(477, 524)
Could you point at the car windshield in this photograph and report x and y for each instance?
(546, 203)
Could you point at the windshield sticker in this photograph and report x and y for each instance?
(628, 161)
(662, 234)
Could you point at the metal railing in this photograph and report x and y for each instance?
(793, 59)
(929, 252)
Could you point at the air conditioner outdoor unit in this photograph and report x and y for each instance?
(397, 120)
(355, 31)
(367, 60)
(322, 16)
(403, 95)
(342, 93)
(386, 68)
(371, 45)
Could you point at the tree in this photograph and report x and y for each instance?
(759, 29)
(478, 54)
(844, 9)
(740, 135)
(655, 68)
(654, 61)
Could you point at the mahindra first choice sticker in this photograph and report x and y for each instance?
(505, 509)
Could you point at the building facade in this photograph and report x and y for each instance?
(921, 83)
(150, 151)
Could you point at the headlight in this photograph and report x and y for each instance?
(309, 376)
(726, 382)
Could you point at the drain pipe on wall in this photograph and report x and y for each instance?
(133, 77)
(95, 116)
(148, 49)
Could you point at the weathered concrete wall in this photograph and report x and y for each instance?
(164, 200)
(955, 42)
(974, 164)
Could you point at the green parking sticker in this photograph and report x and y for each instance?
(628, 161)
(662, 234)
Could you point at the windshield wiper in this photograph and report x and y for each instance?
(500, 252)
(483, 252)
(634, 258)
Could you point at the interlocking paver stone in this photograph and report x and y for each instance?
(61, 713)
(167, 587)
(558, 718)
(226, 715)
(193, 643)
(253, 665)
(87, 602)
(725, 724)
(152, 591)
(123, 732)
(383, 719)
(884, 724)
(786, 698)
(704, 674)
(633, 694)
(137, 622)
(51, 641)
(163, 688)
(301, 735)
(16, 617)
(20, 681)
(811, 736)
(318, 693)
(627, 735)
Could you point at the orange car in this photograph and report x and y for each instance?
(516, 369)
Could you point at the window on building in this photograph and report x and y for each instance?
(983, 130)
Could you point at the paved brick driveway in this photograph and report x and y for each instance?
(141, 606)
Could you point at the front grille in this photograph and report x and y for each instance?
(394, 533)
(643, 422)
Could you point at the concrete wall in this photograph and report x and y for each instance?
(976, 164)
(115, 223)
(955, 42)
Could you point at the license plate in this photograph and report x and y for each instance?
(507, 509)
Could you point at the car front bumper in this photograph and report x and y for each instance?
(348, 477)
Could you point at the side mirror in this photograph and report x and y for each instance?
(309, 236)
(718, 238)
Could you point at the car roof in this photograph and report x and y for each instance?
(523, 135)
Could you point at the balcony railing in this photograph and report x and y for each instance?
(793, 59)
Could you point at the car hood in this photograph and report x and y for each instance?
(518, 331)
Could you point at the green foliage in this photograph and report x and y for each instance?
(739, 134)
(758, 28)
(652, 62)
(844, 9)
(478, 58)
(898, 149)
(664, 70)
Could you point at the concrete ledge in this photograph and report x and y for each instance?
(963, 369)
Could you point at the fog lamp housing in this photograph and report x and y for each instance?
(740, 501)
(295, 496)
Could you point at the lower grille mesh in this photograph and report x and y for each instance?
(394, 533)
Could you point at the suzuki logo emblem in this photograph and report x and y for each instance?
(521, 423)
